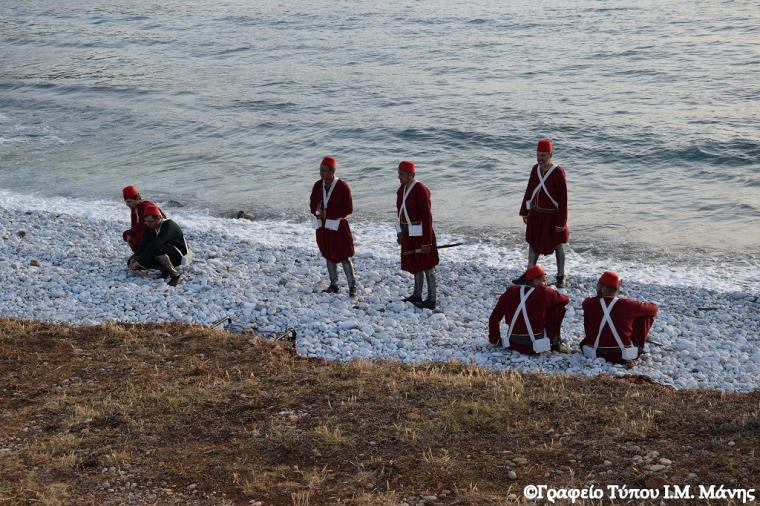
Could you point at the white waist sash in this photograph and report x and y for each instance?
(627, 352)
(539, 345)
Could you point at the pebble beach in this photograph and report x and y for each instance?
(63, 260)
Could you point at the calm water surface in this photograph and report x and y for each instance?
(653, 107)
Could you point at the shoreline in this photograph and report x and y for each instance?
(267, 275)
(596, 238)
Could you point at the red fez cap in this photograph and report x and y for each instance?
(406, 166)
(610, 278)
(151, 210)
(130, 192)
(534, 272)
(544, 146)
(328, 161)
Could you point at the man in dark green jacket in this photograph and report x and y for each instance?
(163, 246)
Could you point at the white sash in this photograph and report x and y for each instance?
(187, 258)
(414, 230)
(329, 224)
(541, 185)
(539, 345)
(326, 195)
(628, 353)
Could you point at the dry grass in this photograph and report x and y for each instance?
(174, 414)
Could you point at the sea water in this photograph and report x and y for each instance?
(226, 105)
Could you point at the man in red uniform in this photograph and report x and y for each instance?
(137, 206)
(544, 211)
(415, 234)
(616, 328)
(331, 204)
(533, 313)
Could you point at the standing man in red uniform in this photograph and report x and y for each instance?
(415, 234)
(544, 211)
(330, 205)
(137, 206)
(616, 328)
(533, 313)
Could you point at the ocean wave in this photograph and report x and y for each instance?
(450, 136)
(733, 153)
(234, 50)
(70, 88)
(255, 105)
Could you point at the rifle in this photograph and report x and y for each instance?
(225, 323)
(419, 250)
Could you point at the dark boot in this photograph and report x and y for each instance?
(561, 281)
(559, 346)
(167, 268)
(416, 295)
(426, 304)
(331, 289)
(520, 281)
(348, 268)
(431, 284)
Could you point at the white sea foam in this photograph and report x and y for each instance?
(268, 275)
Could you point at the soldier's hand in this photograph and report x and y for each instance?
(525, 219)
(425, 249)
(559, 229)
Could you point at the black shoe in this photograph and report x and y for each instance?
(520, 281)
(426, 304)
(414, 299)
(174, 280)
(561, 282)
(352, 291)
(331, 289)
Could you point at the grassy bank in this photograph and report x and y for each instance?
(178, 414)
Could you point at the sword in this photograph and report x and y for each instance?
(415, 251)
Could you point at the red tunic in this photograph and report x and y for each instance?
(134, 235)
(335, 245)
(545, 307)
(419, 210)
(632, 320)
(544, 215)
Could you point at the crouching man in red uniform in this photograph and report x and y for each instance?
(533, 313)
(616, 328)
(415, 234)
(544, 211)
(137, 206)
(330, 205)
